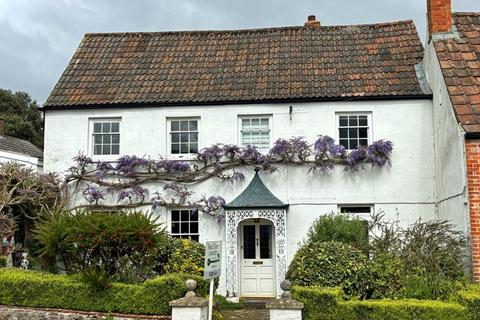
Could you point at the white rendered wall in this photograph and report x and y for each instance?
(406, 189)
(449, 162)
(30, 162)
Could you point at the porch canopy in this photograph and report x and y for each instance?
(256, 201)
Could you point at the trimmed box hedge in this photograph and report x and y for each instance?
(327, 304)
(471, 299)
(43, 290)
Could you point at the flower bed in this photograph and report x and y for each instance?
(43, 290)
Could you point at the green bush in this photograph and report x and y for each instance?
(3, 262)
(111, 241)
(342, 228)
(186, 256)
(319, 303)
(38, 289)
(470, 297)
(326, 304)
(328, 264)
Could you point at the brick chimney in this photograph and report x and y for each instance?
(439, 16)
(2, 127)
(312, 22)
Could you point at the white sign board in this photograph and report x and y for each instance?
(213, 259)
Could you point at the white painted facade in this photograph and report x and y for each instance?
(407, 189)
(450, 163)
(26, 160)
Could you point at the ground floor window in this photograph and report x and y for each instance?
(184, 224)
(362, 212)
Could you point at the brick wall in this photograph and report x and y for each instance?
(19, 313)
(439, 14)
(473, 177)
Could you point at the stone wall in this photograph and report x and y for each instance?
(17, 313)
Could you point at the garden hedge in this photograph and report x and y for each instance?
(326, 304)
(38, 289)
(471, 299)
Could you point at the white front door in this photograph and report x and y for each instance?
(257, 261)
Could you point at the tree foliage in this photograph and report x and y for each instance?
(23, 118)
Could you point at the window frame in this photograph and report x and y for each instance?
(355, 113)
(91, 142)
(179, 234)
(364, 216)
(250, 116)
(183, 156)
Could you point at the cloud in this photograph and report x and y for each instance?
(39, 37)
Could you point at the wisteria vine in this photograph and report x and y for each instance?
(125, 176)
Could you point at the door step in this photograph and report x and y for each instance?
(256, 303)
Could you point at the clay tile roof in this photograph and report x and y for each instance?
(19, 146)
(460, 62)
(274, 64)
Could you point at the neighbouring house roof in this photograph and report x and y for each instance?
(20, 146)
(213, 67)
(256, 196)
(460, 63)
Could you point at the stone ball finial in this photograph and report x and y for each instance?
(191, 284)
(286, 285)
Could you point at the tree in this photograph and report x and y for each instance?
(22, 116)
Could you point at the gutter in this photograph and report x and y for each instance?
(229, 102)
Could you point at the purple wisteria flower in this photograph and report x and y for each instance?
(289, 150)
(128, 165)
(103, 168)
(92, 194)
(136, 193)
(212, 154)
(231, 151)
(235, 176)
(157, 201)
(323, 145)
(210, 205)
(173, 166)
(378, 153)
(355, 157)
(180, 192)
(251, 154)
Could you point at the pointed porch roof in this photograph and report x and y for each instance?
(256, 196)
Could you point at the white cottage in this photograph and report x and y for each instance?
(171, 94)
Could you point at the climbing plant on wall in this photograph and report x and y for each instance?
(127, 176)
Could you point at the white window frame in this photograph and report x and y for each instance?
(270, 128)
(182, 156)
(91, 122)
(182, 235)
(369, 123)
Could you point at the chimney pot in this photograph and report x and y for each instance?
(312, 22)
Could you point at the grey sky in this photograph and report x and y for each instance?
(38, 37)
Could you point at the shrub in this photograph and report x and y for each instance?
(319, 303)
(43, 290)
(186, 256)
(3, 262)
(326, 304)
(328, 264)
(342, 228)
(111, 241)
(470, 297)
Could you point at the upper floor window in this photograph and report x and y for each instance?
(105, 137)
(184, 224)
(183, 135)
(255, 130)
(354, 130)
